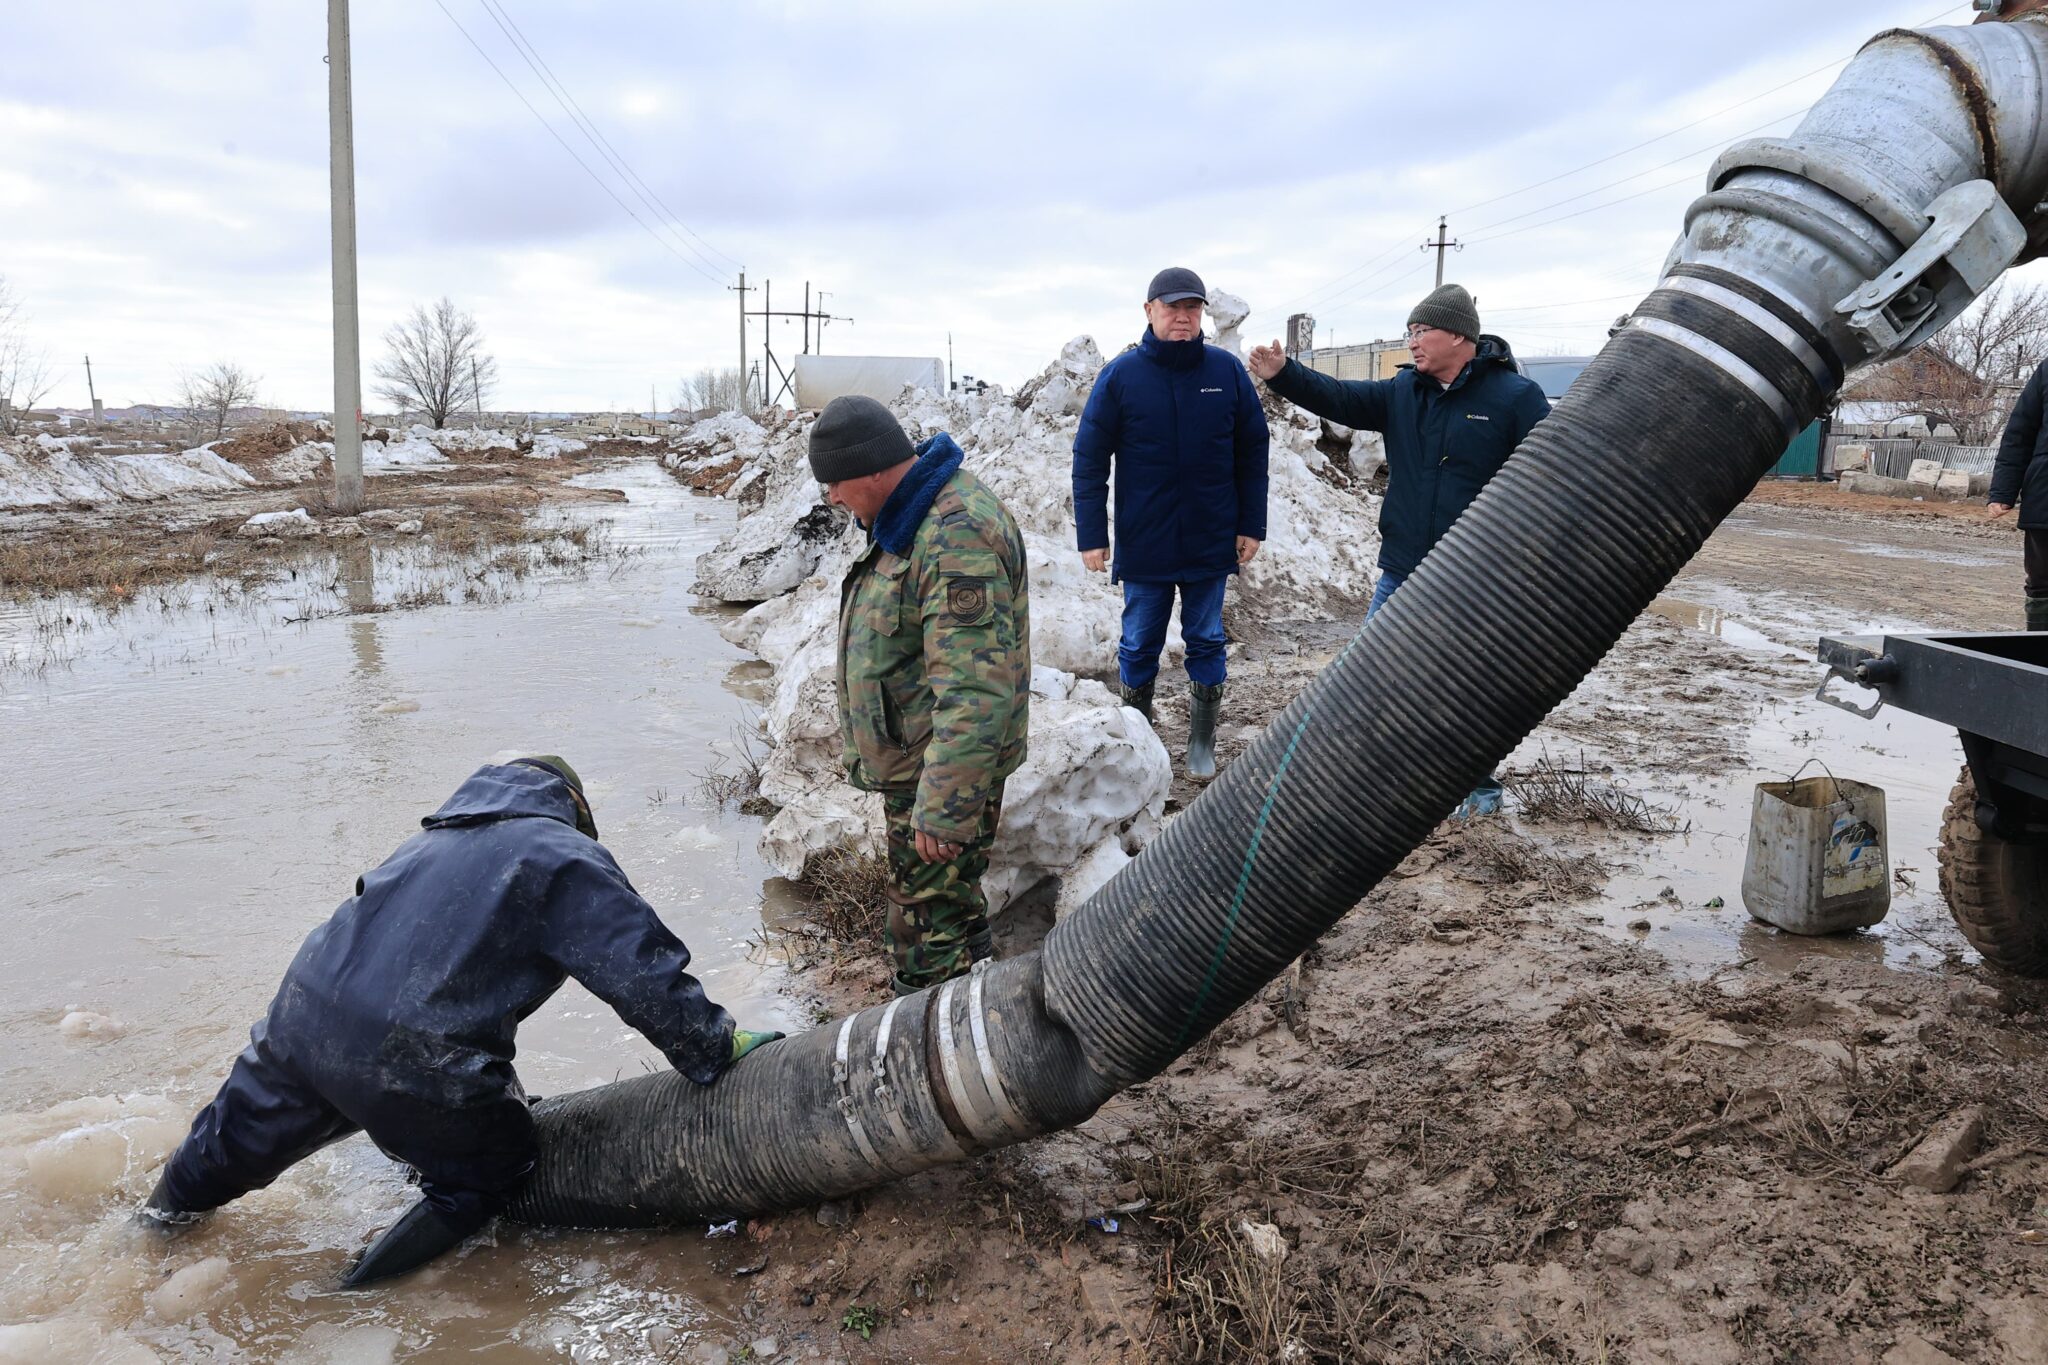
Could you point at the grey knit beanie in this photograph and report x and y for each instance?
(856, 436)
(1448, 306)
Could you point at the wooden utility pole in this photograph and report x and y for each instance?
(1439, 246)
(770, 366)
(98, 413)
(476, 392)
(341, 185)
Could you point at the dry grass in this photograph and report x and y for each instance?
(735, 780)
(1219, 1299)
(1489, 856)
(849, 896)
(1549, 791)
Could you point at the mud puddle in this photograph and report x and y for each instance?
(195, 787)
(1687, 887)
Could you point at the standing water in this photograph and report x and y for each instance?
(195, 784)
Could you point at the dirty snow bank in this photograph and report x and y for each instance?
(66, 472)
(1095, 778)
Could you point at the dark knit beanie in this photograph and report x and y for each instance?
(856, 436)
(1448, 306)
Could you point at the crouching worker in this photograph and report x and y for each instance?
(396, 1017)
(934, 673)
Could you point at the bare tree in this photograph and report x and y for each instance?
(437, 364)
(720, 390)
(1968, 374)
(25, 378)
(210, 397)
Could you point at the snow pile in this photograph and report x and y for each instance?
(547, 447)
(294, 523)
(67, 472)
(414, 450)
(1095, 776)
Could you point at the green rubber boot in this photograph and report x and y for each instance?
(1204, 702)
(1139, 699)
(2037, 613)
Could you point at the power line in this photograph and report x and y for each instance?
(1594, 208)
(664, 243)
(1320, 290)
(1686, 127)
(570, 106)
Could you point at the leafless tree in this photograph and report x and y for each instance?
(721, 390)
(1968, 375)
(210, 397)
(437, 364)
(25, 378)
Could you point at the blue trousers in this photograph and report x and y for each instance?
(1383, 589)
(1147, 608)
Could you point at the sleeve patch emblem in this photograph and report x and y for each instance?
(967, 600)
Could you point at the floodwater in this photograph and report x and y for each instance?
(194, 784)
(1688, 888)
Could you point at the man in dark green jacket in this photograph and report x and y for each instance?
(1450, 421)
(934, 672)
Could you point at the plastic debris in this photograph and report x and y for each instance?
(723, 1229)
(1105, 1224)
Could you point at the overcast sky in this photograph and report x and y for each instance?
(1012, 175)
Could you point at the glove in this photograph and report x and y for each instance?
(746, 1040)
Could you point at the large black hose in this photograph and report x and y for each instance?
(1658, 440)
(1930, 140)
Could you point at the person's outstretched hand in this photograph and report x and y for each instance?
(1267, 360)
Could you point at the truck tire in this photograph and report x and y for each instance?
(1996, 889)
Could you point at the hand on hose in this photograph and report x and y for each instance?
(745, 1040)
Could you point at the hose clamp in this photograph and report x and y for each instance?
(841, 1078)
(1972, 233)
(1729, 363)
(978, 1098)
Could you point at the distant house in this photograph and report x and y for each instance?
(1368, 360)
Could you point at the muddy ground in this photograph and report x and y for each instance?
(1500, 1114)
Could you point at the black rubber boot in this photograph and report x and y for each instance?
(2037, 613)
(981, 944)
(901, 986)
(1204, 701)
(424, 1233)
(159, 1213)
(1138, 699)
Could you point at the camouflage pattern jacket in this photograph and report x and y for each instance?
(935, 647)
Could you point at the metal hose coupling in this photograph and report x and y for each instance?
(1902, 195)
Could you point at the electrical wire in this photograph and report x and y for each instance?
(595, 179)
(570, 106)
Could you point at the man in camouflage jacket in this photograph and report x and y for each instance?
(934, 672)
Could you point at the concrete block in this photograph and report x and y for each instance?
(1848, 457)
(1955, 482)
(1926, 472)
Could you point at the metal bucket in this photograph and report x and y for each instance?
(1816, 862)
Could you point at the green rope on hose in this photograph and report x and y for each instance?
(1244, 878)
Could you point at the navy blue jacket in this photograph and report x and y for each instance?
(418, 981)
(2020, 476)
(1182, 424)
(1443, 444)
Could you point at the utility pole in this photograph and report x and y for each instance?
(1439, 246)
(770, 366)
(950, 385)
(476, 392)
(742, 290)
(99, 414)
(341, 184)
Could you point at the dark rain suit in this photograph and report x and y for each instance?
(397, 1015)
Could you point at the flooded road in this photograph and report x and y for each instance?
(196, 782)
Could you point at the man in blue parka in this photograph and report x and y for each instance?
(396, 1017)
(1449, 421)
(1181, 424)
